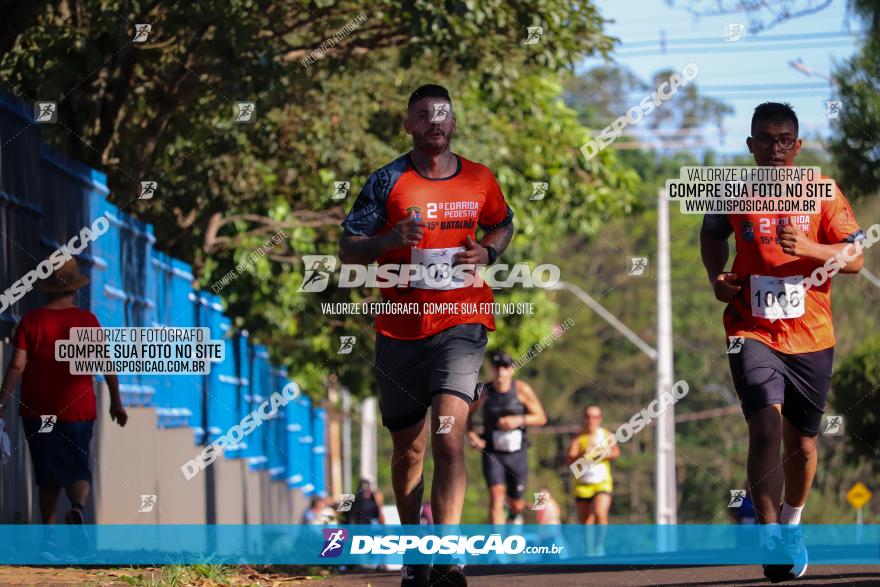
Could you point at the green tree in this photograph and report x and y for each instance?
(857, 397)
(163, 110)
(857, 127)
(605, 93)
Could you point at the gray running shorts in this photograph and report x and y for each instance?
(411, 372)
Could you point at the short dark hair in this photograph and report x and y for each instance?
(774, 112)
(502, 359)
(428, 91)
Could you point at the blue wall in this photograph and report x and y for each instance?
(46, 199)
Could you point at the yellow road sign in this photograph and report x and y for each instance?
(859, 495)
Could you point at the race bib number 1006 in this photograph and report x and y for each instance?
(778, 298)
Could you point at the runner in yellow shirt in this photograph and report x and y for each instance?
(594, 488)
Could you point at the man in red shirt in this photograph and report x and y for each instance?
(57, 408)
(422, 210)
(782, 372)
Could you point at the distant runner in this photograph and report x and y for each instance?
(423, 209)
(367, 506)
(509, 406)
(594, 489)
(782, 372)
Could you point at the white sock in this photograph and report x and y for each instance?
(790, 515)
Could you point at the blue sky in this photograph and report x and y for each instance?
(743, 73)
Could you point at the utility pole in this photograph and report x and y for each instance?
(346, 441)
(664, 478)
(369, 448)
(334, 436)
(666, 508)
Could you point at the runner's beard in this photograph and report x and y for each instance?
(434, 145)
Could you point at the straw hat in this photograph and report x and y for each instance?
(65, 278)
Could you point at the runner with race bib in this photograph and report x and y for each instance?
(593, 490)
(780, 332)
(422, 211)
(509, 406)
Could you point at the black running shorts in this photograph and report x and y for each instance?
(800, 382)
(61, 456)
(507, 468)
(411, 372)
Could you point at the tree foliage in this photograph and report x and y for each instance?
(163, 110)
(857, 398)
(762, 15)
(857, 128)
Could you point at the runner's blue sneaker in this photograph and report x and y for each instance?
(790, 547)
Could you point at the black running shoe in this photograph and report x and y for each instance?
(448, 576)
(415, 576)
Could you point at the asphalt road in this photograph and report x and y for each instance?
(544, 576)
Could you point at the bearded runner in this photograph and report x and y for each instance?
(423, 209)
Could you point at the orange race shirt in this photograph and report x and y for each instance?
(451, 209)
(765, 272)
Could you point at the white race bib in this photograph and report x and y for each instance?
(507, 440)
(595, 473)
(778, 298)
(438, 264)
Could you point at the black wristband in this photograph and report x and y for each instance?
(493, 254)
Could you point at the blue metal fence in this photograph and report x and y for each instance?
(45, 199)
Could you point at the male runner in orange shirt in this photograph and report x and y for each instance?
(782, 373)
(423, 209)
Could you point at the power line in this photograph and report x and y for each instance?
(688, 145)
(746, 87)
(728, 48)
(743, 87)
(763, 38)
